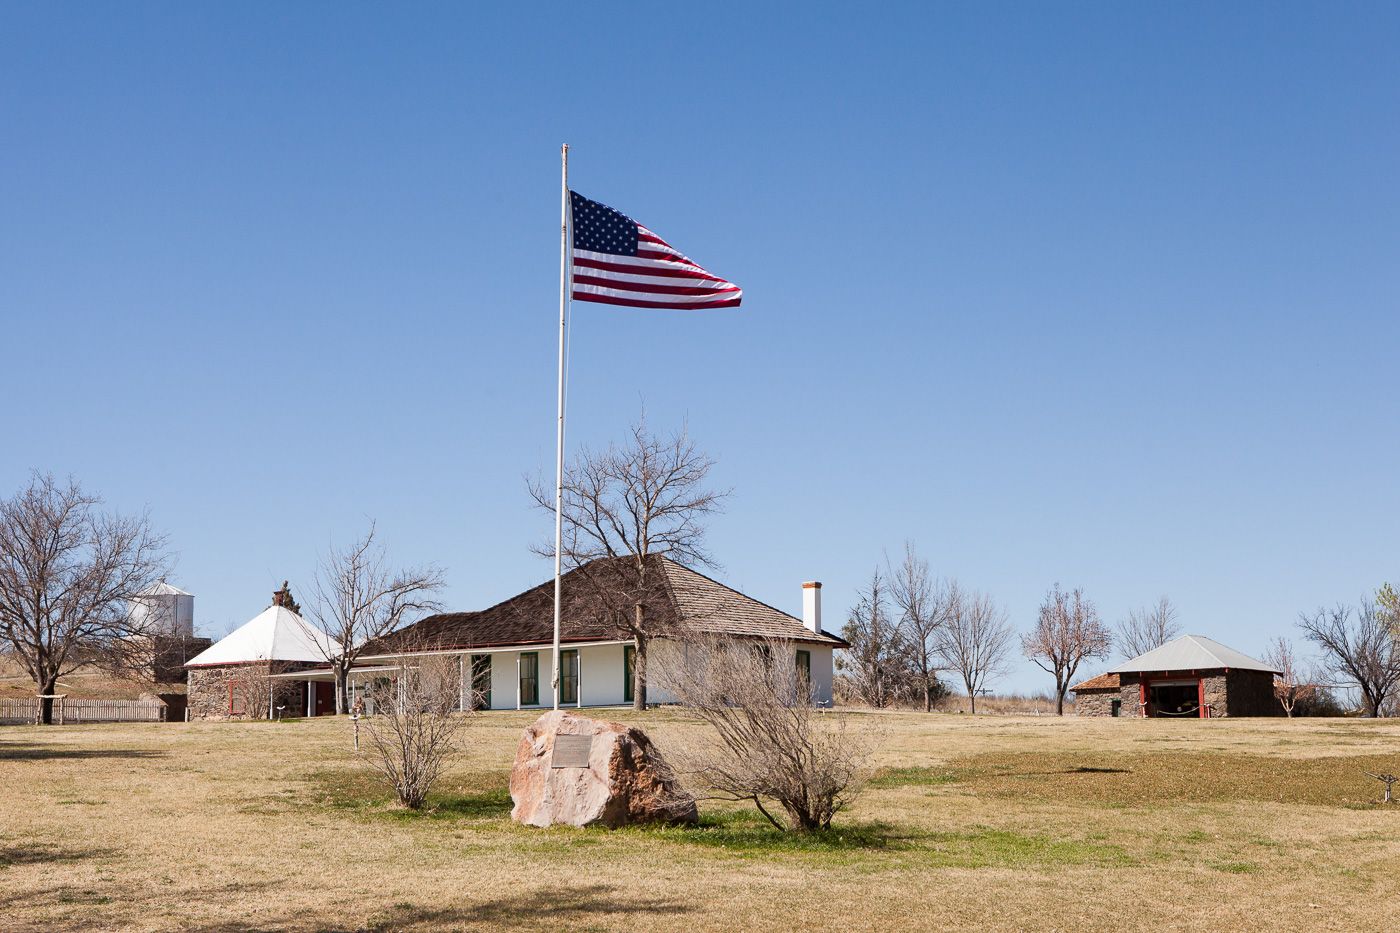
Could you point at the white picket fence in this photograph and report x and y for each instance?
(68, 710)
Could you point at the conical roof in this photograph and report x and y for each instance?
(165, 589)
(275, 634)
(1190, 653)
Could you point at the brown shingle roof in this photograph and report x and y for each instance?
(680, 597)
(1101, 682)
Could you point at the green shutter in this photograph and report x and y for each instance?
(804, 665)
(629, 663)
(568, 676)
(529, 678)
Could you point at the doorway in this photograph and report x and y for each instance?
(1175, 699)
(324, 699)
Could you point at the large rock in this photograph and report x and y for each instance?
(603, 773)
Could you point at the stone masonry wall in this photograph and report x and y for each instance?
(1094, 702)
(209, 691)
(1252, 694)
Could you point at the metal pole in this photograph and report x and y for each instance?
(559, 433)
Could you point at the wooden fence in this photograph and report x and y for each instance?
(69, 710)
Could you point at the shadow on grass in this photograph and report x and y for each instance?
(743, 831)
(60, 752)
(13, 855)
(561, 905)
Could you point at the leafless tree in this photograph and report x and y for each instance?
(1147, 628)
(976, 641)
(413, 734)
(358, 598)
(250, 691)
(770, 742)
(1291, 685)
(1359, 650)
(877, 663)
(68, 575)
(1067, 632)
(621, 508)
(925, 606)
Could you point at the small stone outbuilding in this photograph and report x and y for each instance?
(234, 679)
(1191, 677)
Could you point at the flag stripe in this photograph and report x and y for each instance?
(653, 289)
(638, 303)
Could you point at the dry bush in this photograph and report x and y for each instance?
(770, 741)
(413, 733)
(252, 688)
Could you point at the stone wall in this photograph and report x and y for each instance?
(1251, 693)
(1236, 693)
(1094, 702)
(210, 688)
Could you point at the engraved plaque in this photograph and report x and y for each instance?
(571, 751)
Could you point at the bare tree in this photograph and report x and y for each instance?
(1291, 685)
(627, 504)
(877, 663)
(925, 606)
(357, 598)
(770, 742)
(250, 691)
(413, 734)
(976, 641)
(69, 574)
(1360, 650)
(1067, 632)
(1147, 628)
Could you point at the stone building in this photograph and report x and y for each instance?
(234, 679)
(1189, 677)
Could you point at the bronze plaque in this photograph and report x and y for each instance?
(571, 751)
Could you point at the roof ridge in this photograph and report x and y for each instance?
(733, 590)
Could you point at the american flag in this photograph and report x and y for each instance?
(619, 262)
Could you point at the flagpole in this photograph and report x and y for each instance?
(559, 433)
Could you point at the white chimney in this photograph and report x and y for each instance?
(812, 606)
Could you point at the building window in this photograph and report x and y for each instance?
(804, 667)
(568, 676)
(481, 681)
(1116, 707)
(629, 667)
(529, 678)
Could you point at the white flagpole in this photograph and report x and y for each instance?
(559, 434)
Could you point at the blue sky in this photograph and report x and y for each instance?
(1098, 294)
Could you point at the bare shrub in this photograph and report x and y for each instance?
(1291, 685)
(413, 733)
(251, 691)
(770, 741)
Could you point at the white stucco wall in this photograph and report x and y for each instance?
(600, 676)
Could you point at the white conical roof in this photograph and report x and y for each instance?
(275, 634)
(1190, 653)
(165, 589)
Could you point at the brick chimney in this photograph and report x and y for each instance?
(812, 606)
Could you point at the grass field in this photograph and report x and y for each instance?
(986, 823)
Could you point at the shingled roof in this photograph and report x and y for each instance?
(1101, 682)
(678, 599)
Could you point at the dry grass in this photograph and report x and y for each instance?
(985, 823)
